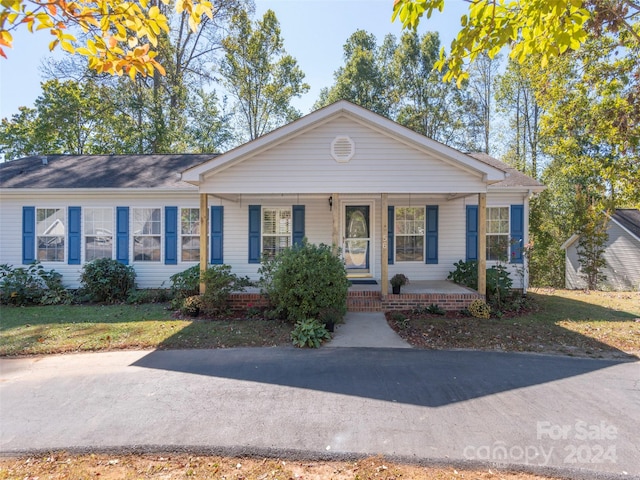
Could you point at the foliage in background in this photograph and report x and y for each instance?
(259, 74)
(219, 284)
(591, 246)
(31, 285)
(107, 280)
(309, 333)
(304, 280)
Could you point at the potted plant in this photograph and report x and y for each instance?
(397, 281)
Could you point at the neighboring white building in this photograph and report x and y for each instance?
(393, 200)
(622, 254)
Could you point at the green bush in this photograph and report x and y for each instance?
(31, 285)
(186, 283)
(219, 284)
(303, 281)
(499, 281)
(435, 309)
(149, 295)
(107, 280)
(309, 333)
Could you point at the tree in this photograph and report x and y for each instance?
(545, 28)
(480, 98)
(118, 37)
(260, 75)
(364, 79)
(426, 104)
(591, 245)
(516, 98)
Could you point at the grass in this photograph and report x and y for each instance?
(61, 465)
(594, 324)
(76, 328)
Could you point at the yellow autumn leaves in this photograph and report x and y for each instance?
(119, 35)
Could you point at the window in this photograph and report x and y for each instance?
(50, 231)
(276, 230)
(147, 234)
(409, 234)
(98, 233)
(498, 233)
(190, 234)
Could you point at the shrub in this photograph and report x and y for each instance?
(186, 283)
(31, 285)
(400, 320)
(148, 295)
(435, 309)
(304, 280)
(219, 284)
(309, 333)
(107, 280)
(479, 309)
(498, 279)
(192, 305)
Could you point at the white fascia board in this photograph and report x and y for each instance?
(570, 241)
(622, 226)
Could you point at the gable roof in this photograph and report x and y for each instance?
(490, 173)
(627, 218)
(99, 171)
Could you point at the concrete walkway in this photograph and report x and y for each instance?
(366, 329)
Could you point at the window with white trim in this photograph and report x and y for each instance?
(51, 230)
(276, 230)
(190, 234)
(147, 234)
(409, 234)
(98, 233)
(498, 233)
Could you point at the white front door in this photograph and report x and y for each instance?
(356, 246)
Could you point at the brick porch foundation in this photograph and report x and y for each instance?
(372, 301)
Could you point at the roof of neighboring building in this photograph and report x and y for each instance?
(515, 178)
(629, 218)
(100, 171)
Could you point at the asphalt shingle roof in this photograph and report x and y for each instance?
(100, 171)
(629, 218)
(515, 178)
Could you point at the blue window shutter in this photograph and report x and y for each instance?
(28, 234)
(75, 235)
(298, 224)
(255, 212)
(390, 232)
(216, 235)
(122, 235)
(432, 234)
(517, 233)
(170, 235)
(472, 232)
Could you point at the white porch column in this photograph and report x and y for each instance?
(335, 229)
(204, 236)
(482, 243)
(384, 250)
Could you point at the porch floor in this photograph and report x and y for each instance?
(419, 287)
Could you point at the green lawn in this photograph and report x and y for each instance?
(74, 328)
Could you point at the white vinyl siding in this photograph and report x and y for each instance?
(98, 228)
(381, 164)
(190, 234)
(276, 230)
(409, 234)
(51, 227)
(147, 234)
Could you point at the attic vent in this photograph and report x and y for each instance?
(342, 149)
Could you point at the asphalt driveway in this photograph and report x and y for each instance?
(537, 411)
